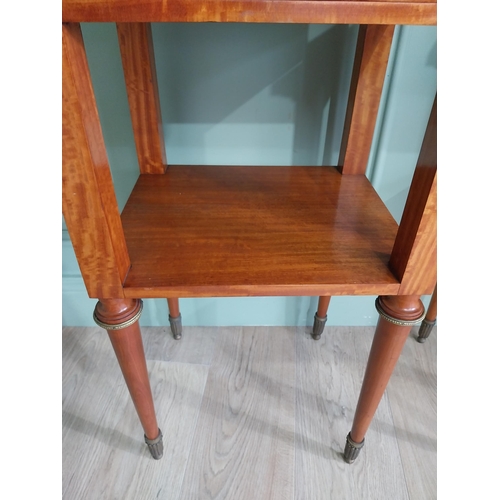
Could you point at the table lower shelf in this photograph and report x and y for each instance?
(222, 231)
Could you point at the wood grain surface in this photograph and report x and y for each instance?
(414, 256)
(388, 342)
(139, 69)
(253, 11)
(129, 351)
(367, 82)
(236, 231)
(89, 202)
(431, 313)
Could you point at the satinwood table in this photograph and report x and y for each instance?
(243, 231)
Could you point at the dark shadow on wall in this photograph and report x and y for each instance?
(208, 74)
(206, 71)
(320, 108)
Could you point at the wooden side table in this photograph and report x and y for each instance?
(207, 231)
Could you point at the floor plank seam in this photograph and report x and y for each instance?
(194, 428)
(389, 404)
(170, 362)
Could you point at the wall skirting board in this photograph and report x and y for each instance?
(269, 112)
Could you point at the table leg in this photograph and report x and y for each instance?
(320, 317)
(119, 317)
(430, 319)
(397, 316)
(175, 318)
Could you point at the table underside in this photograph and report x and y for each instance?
(226, 231)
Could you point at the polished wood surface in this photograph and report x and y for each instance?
(138, 60)
(431, 313)
(115, 312)
(370, 64)
(423, 12)
(323, 304)
(414, 256)
(129, 351)
(173, 307)
(236, 231)
(89, 202)
(388, 343)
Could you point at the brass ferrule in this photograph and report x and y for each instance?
(119, 326)
(397, 321)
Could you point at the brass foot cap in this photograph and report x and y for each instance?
(155, 445)
(176, 326)
(352, 449)
(318, 326)
(425, 330)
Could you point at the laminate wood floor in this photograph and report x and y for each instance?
(247, 413)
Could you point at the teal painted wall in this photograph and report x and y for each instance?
(257, 95)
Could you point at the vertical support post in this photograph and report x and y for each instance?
(370, 64)
(120, 318)
(89, 202)
(414, 255)
(136, 47)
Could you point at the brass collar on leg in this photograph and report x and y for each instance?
(119, 326)
(397, 321)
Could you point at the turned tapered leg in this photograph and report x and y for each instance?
(119, 317)
(320, 317)
(430, 319)
(397, 316)
(175, 318)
